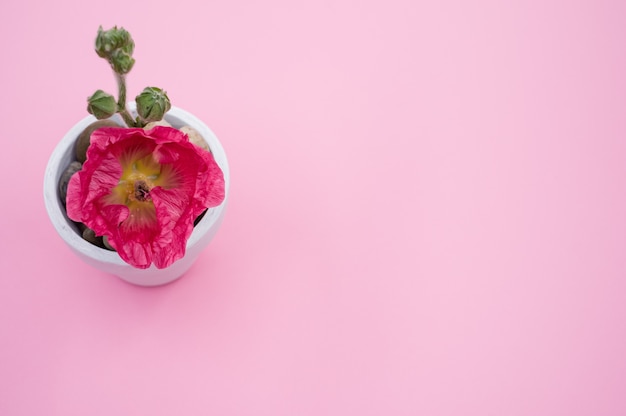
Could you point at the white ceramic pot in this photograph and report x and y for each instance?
(109, 261)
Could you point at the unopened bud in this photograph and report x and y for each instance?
(101, 105)
(152, 104)
(116, 46)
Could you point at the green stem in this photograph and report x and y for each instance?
(121, 101)
(128, 119)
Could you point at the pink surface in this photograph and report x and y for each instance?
(427, 212)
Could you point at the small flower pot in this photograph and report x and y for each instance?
(109, 261)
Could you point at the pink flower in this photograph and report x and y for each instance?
(143, 190)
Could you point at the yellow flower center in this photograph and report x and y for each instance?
(140, 174)
(135, 187)
(137, 180)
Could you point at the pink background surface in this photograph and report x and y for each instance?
(427, 212)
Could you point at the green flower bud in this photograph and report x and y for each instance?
(101, 105)
(152, 104)
(116, 46)
(121, 62)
